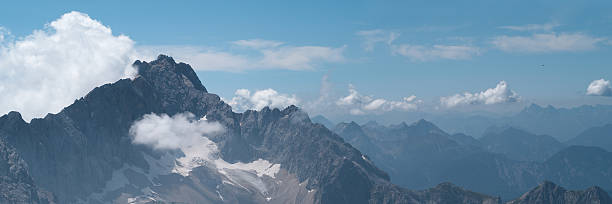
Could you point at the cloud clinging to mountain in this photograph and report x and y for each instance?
(245, 100)
(171, 132)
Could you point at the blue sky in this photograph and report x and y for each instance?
(439, 48)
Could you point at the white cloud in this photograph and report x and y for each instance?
(257, 54)
(532, 27)
(500, 94)
(599, 87)
(50, 68)
(359, 104)
(164, 132)
(422, 53)
(244, 100)
(200, 58)
(540, 43)
(300, 58)
(373, 37)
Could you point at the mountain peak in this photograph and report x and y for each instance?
(424, 124)
(164, 68)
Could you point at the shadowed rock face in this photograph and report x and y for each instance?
(548, 192)
(16, 185)
(76, 153)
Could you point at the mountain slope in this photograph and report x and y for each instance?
(85, 152)
(600, 136)
(521, 145)
(323, 121)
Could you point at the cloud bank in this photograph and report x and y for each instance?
(500, 94)
(600, 87)
(50, 68)
(360, 104)
(244, 100)
(166, 133)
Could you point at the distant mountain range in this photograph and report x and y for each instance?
(560, 123)
(506, 161)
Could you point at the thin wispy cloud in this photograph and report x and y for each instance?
(435, 52)
(256, 54)
(532, 27)
(373, 37)
(416, 52)
(257, 43)
(500, 94)
(543, 43)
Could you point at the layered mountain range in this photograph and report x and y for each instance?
(561, 123)
(506, 161)
(87, 152)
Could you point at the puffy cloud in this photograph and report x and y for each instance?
(359, 104)
(244, 100)
(258, 54)
(373, 37)
(50, 68)
(539, 43)
(165, 133)
(599, 87)
(532, 27)
(423, 53)
(500, 94)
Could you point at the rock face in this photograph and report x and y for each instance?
(548, 192)
(16, 185)
(85, 154)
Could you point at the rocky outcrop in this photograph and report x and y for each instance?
(548, 192)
